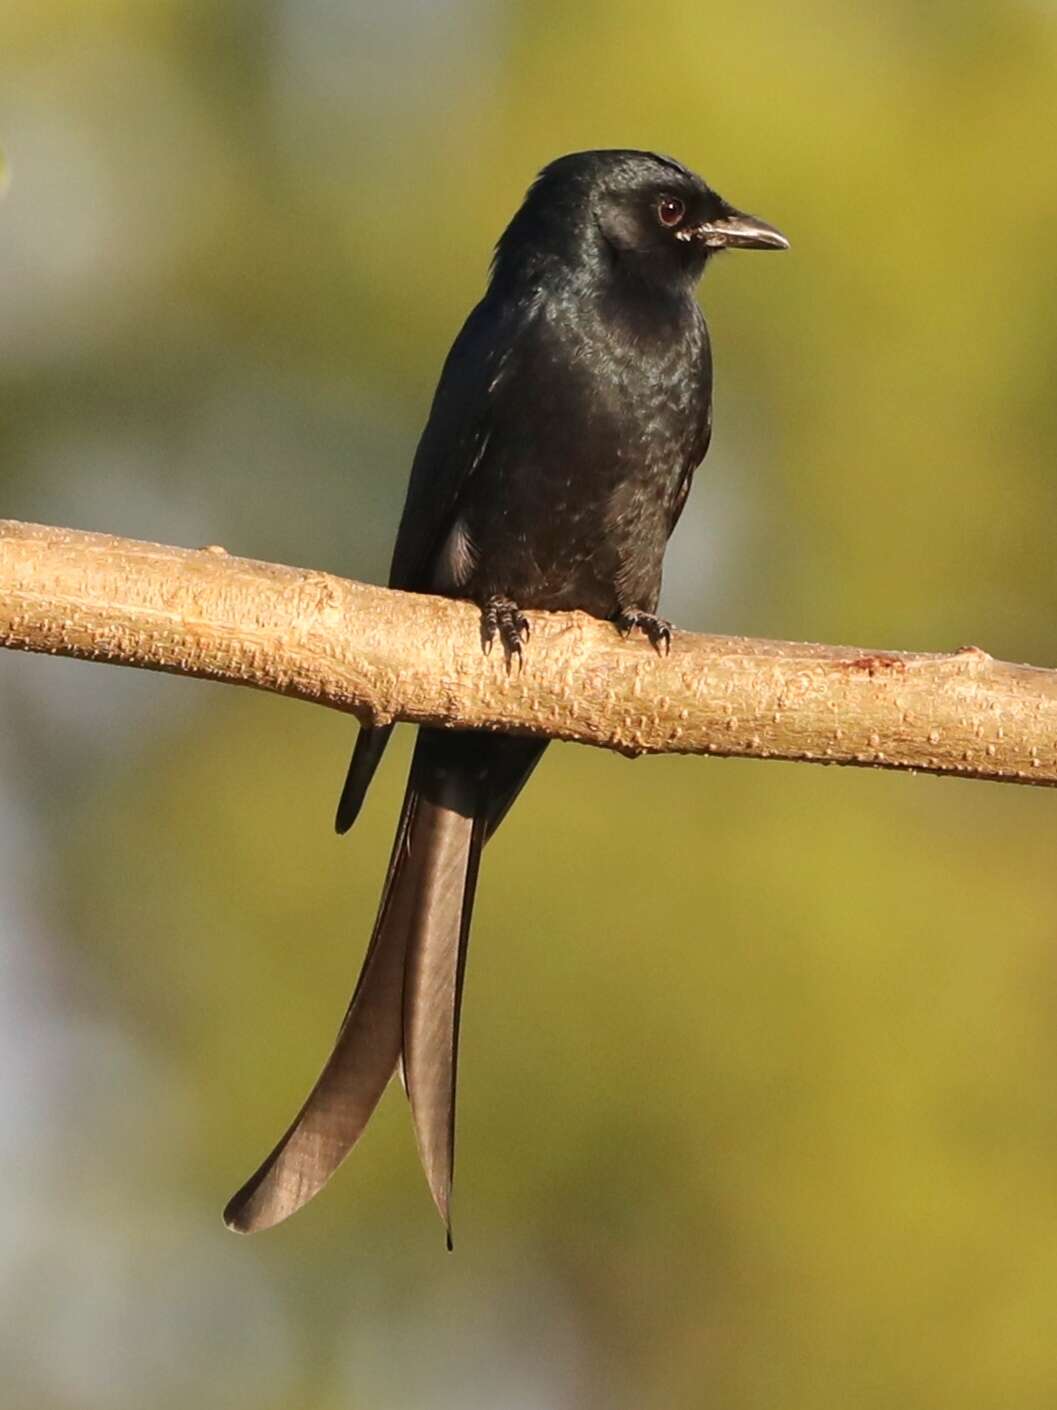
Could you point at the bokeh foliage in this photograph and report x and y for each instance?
(757, 1090)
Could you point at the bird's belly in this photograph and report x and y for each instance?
(558, 543)
(574, 509)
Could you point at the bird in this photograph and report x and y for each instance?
(571, 413)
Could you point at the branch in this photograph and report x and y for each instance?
(385, 655)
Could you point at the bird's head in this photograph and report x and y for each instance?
(636, 210)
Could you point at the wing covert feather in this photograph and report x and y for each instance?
(453, 442)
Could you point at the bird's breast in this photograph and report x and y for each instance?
(582, 463)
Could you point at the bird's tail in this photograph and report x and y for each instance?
(370, 746)
(407, 1000)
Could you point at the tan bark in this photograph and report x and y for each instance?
(384, 655)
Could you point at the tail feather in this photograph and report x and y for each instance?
(370, 746)
(433, 978)
(365, 1056)
(408, 997)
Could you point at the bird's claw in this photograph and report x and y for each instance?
(656, 630)
(504, 619)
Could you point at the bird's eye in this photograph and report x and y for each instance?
(670, 210)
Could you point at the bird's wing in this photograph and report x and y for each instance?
(476, 373)
(699, 440)
(695, 458)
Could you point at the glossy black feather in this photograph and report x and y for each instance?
(367, 755)
(571, 413)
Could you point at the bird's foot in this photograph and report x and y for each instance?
(656, 630)
(504, 619)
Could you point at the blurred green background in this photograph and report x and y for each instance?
(758, 1104)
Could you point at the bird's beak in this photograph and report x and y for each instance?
(734, 230)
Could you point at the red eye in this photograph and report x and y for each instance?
(670, 210)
